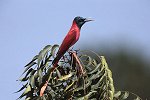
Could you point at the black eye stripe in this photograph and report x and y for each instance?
(81, 20)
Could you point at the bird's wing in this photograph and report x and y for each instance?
(68, 41)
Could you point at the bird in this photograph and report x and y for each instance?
(70, 39)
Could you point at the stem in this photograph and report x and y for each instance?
(81, 69)
(78, 61)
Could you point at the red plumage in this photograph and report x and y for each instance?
(70, 39)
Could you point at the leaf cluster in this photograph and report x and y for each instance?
(67, 82)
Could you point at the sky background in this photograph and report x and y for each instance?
(26, 26)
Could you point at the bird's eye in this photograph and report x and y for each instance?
(81, 20)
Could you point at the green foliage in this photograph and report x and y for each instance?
(67, 82)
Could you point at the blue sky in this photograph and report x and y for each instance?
(26, 26)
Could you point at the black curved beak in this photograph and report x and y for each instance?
(88, 19)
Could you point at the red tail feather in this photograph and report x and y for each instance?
(55, 62)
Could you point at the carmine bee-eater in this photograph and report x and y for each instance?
(71, 38)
